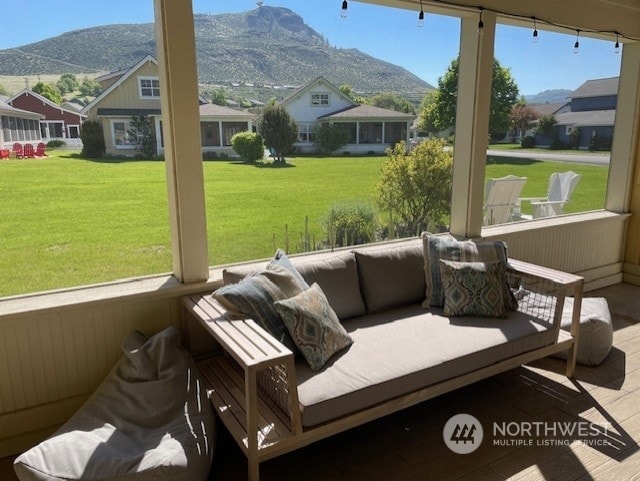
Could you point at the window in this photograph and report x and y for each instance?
(149, 87)
(370, 133)
(229, 129)
(394, 132)
(124, 137)
(319, 99)
(352, 129)
(210, 132)
(305, 132)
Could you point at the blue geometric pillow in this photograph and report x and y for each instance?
(314, 326)
(473, 288)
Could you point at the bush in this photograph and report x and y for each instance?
(528, 142)
(600, 143)
(55, 144)
(209, 155)
(248, 145)
(330, 137)
(350, 223)
(557, 144)
(93, 145)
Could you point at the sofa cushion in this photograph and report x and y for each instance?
(450, 249)
(473, 288)
(338, 277)
(314, 327)
(254, 296)
(401, 350)
(391, 276)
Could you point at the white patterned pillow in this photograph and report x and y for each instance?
(473, 288)
(313, 325)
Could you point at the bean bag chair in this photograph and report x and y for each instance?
(150, 419)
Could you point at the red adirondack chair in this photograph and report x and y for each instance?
(4, 154)
(41, 150)
(17, 150)
(28, 151)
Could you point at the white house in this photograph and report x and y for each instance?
(371, 129)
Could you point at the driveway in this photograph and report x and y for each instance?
(578, 158)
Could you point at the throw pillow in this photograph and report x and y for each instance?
(438, 248)
(473, 288)
(254, 296)
(280, 259)
(314, 327)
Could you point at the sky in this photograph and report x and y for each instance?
(426, 52)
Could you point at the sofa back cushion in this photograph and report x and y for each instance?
(391, 276)
(337, 276)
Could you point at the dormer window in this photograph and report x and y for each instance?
(149, 87)
(319, 99)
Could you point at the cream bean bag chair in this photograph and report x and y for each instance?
(150, 419)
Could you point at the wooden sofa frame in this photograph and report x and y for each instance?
(252, 382)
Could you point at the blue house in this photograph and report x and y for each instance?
(591, 112)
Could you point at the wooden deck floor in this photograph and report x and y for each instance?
(409, 445)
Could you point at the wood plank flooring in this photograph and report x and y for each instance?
(409, 446)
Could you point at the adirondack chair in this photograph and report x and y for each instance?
(17, 150)
(561, 186)
(41, 150)
(28, 151)
(501, 196)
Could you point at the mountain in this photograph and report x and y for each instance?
(267, 45)
(555, 96)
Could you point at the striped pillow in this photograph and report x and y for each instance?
(438, 248)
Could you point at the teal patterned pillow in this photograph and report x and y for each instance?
(473, 288)
(314, 327)
(253, 297)
(450, 249)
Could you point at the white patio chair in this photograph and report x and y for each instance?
(561, 186)
(500, 199)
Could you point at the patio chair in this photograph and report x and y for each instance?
(41, 150)
(17, 150)
(500, 199)
(561, 186)
(29, 152)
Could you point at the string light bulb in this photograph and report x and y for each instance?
(421, 16)
(616, 47)
(480, 23)
(345, 6)
(535, 31)
(576, 46)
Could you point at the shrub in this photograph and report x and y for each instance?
(557, 144)
(330, 137)
(350, 223)
(209, 155)
(248, 145)
(55, 144)
(93, 145)
(528, 142)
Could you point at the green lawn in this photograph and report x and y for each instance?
(66, 221)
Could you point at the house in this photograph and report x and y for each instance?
(371, 129)
(56, 123)
(591, 109)
(18, 126)
(59, 345)
(135, 92)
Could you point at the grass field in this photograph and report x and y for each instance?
(66, 221)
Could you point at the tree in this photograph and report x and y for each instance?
(330, 137)
(392, 102)
(67, 83)
(50, 92)
(219, 97)
(521, 116)
(92, 137)
(415, 188)
(89, 87)
(248, 145)
(279, 131)
(439, 108)
(143, 129)
(545, 126)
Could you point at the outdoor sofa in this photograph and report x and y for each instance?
(392, 343)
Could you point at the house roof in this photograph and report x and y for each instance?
(45, 100)
(126, 112)
(312, 84)
(367, 112)
(603, 87)
(214, 110)
(6, 109)
(588, 118)
(120, 81)
(545, 110)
